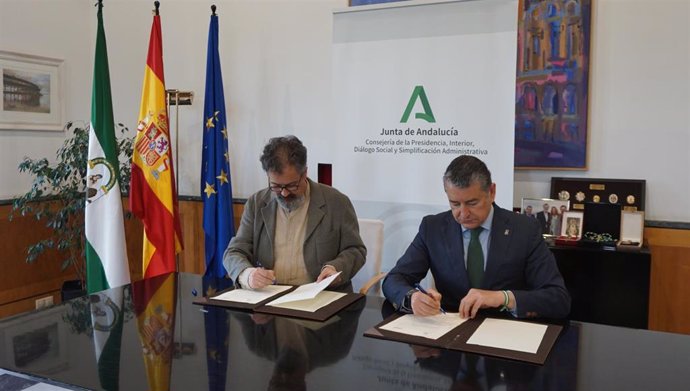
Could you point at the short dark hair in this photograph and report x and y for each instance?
(465, 170)
(284, 151)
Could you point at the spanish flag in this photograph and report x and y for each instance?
(155, 301)
(153, 197)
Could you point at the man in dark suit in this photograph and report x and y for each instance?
(481, 256)
(544, 218)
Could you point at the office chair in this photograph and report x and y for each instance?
(369, 276)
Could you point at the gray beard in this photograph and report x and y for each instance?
(291, 204)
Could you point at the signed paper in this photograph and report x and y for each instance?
(322, 299)
(509, 334)
(251, 296)
(432, 327)
(306, 291)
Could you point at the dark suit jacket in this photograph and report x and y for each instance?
(331, 237)
(518, 260)
(544, 219)
(512, 375)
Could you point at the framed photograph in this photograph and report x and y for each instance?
(31, 92)
(36, 342)
(548, 212)
(552, 91)
(572, 224)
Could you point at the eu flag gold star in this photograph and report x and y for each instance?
(209, 190)
(209, 123)
(223, 177)
(225, 133)
(227, 157)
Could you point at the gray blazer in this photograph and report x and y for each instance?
(331, 237)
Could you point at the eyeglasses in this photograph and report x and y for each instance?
(290, 187)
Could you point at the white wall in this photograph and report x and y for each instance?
(59, 29)
(639, 104)
(276, 58)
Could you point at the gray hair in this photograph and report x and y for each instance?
(284, 151)
(466, 170)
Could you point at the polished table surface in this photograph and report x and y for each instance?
(169, 342)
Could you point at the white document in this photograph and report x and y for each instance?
(251, 296)
(306, 291)
(322, 299)
(432, 327)
(509, 334)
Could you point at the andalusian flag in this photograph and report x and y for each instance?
(106, 253)
(154, 304)
(107, 320)
(153, 197)
(216, 186)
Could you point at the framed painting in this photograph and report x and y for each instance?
(31, 92)
(552, 84)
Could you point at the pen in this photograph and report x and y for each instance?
(259, 265)
(419, 288)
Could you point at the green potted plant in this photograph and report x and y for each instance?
(57, 196)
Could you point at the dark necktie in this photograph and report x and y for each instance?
(475, 259)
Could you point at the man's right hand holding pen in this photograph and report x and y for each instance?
(260, 277)
(426, 302)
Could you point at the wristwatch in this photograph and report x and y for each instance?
(407, 301)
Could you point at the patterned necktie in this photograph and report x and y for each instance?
(475, 259)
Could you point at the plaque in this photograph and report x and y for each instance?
(628, 193)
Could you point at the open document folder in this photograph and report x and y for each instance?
(309, 301)
(507, 338)
(306, 291)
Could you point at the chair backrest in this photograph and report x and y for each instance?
(371, 232)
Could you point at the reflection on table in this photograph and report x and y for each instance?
(217, 349)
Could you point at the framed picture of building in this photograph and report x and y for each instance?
(31, 92)
(552, 84)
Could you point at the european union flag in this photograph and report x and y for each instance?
(217, 330)
(216, 188)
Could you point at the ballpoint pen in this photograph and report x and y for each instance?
(419, 288)
(260, 266)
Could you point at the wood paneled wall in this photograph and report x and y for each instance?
(21, 283)
(669, 294)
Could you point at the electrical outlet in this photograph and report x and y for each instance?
(44, 302)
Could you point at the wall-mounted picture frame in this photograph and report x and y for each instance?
(32, 97)
(572, 225)
(552, 86)
(548, 212)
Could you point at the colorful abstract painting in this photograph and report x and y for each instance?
(551, 88)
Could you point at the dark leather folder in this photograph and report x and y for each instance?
(320, 315)
(457, 338)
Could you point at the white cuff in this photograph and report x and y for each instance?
(243, 278)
